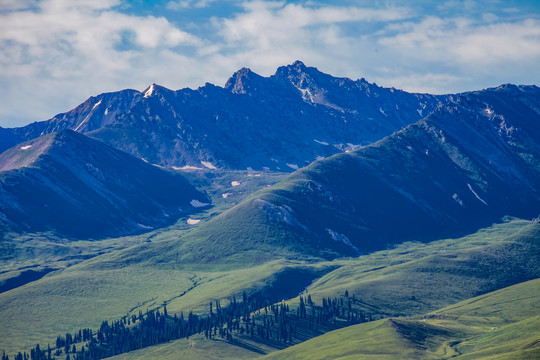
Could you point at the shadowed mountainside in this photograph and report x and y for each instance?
(83, 188)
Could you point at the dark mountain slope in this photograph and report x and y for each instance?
(94, 113)
(466, 166)
(283, 122)
(82, 188)
(8, 139)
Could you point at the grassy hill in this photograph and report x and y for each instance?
(499, 325)
(416, 278)
(196, 348)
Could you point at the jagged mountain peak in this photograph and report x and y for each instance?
(153, 90)
(297, 72)
(298, 66)
(149, 90)
(315, 114)
(314, 84)
(311, 78)
(243, 81)
(292, 117)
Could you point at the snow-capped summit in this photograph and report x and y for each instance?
(149, 90)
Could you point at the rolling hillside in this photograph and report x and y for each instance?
(412, 279)
(498, 325)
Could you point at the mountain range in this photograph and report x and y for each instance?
(453, 164)
(282, 122)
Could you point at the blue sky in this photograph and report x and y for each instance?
(54, 54)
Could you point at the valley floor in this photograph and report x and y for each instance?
(403, 287)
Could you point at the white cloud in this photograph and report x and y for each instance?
(83, 48)
(420, 82)
(178, 5)
(79, 48)
(85, 23)
(188, 4)
(268, 34)
(264, 21)
(466, 43)
(453, 5)
(13, 5)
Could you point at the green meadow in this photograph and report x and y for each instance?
(503, 324)
(406, 283)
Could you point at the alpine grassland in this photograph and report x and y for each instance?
(409, 280)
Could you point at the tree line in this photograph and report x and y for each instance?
(254, 318)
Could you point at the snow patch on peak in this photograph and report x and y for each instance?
(475, 194)
(191, 221)
(235, 183)
(293, 166)
(82, 122)
(197, 203)
(186, 167)
(142, 226)
(321, 142)
(88, 116)
(150, 91)
(208, 165)
(306, 94)
(26, 147)
(457, 199)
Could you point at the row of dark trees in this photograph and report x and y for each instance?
(254, 318)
